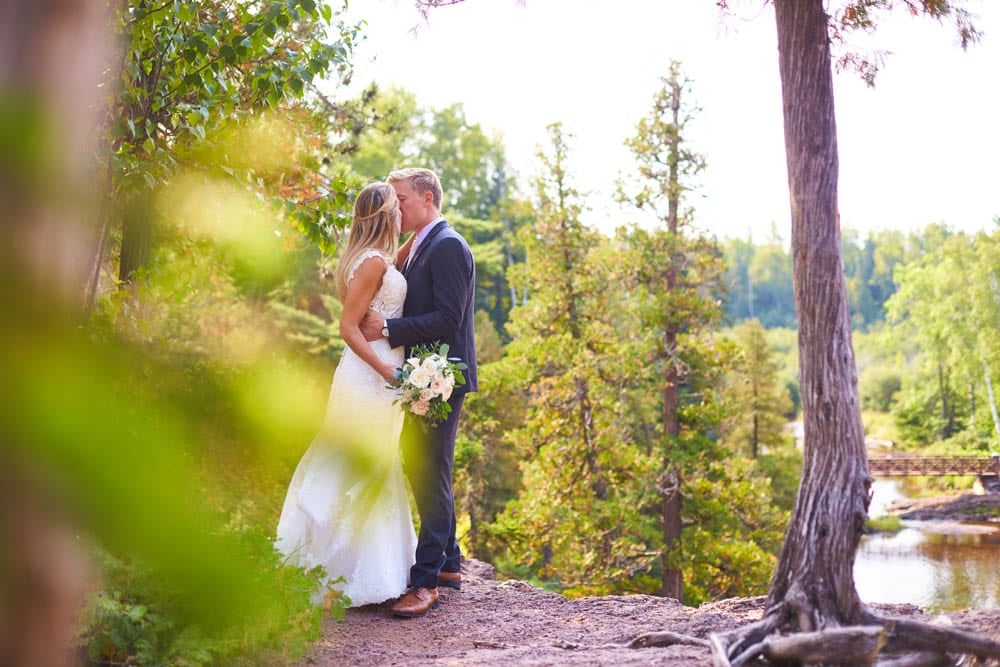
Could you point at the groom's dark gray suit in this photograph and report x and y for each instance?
(441, 281)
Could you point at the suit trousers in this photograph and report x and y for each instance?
(428, 460)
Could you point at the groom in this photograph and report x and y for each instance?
(440, 278)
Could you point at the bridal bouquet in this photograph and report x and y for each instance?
(426, 380)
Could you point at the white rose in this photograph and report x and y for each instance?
(413, 361)
(430, 364)
(419, 408)
(442, 383)
(420, 377)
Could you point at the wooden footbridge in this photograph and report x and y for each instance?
(895, 465)
(986, 468)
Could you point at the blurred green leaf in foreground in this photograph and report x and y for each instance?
(144, 452)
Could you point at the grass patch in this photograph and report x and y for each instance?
(887, 523)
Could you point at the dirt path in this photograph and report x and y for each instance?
(493, 623)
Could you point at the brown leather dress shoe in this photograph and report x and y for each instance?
(417, 602)
(450, 579)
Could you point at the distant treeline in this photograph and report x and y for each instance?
(759, 274)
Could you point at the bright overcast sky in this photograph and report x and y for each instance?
(922, 146)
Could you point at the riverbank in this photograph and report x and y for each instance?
(954, 508)
(491, 623)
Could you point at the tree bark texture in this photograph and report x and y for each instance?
(814, 579)
(671, 579)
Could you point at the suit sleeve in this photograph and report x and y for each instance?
(452, 271)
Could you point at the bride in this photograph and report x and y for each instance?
(347, 508)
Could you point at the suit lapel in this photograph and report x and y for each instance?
(412, 261)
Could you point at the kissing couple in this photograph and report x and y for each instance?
(347, 507)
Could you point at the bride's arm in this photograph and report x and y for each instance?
(404, 251)
(360, 290)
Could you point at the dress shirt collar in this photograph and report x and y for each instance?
(422, 234)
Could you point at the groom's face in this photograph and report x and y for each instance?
(412, 204)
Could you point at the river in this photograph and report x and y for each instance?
(939, 566)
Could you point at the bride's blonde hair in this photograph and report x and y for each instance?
(375, 227)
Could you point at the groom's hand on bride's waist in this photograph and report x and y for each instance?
(371, 326)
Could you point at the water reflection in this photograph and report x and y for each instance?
(939, 566)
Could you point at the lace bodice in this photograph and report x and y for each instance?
(388, 301)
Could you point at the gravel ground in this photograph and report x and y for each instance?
(495, 623)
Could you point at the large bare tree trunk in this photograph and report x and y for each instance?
(814, 580)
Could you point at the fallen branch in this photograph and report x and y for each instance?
(665, 639)
(720, 652)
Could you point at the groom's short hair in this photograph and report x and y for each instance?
(423, 180)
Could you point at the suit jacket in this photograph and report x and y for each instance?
(441, 287)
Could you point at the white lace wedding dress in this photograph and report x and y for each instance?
(347, 507)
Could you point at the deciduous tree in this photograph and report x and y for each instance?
(189, 71)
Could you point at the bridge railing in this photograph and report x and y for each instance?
(905, 465)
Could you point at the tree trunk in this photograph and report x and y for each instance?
(814, 579)
(673, 184)
(137, 239)
(100, 249)
(671, 580)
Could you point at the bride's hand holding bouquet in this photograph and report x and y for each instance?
(426, 381)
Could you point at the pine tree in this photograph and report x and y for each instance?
(583, 477)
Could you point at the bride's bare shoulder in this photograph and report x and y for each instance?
(370, 262)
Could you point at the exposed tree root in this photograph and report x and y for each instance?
(742, 641)
(887, 642)
(854, 645)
